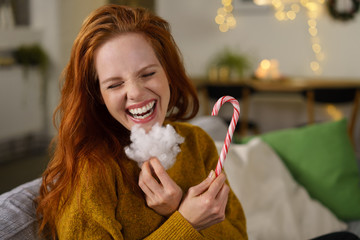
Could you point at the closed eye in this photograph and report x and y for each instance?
(115, 85)
(148, 74)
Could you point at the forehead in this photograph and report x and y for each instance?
(124, 44)
(127, 52)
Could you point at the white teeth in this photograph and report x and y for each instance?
(136, 111)
(144, 116)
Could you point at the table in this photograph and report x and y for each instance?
(242, 88)
(284, 85)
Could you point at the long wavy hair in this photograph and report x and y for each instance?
(86, 130)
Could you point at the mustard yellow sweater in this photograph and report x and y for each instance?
(101, 211)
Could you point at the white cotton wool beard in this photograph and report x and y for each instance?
(160, 142)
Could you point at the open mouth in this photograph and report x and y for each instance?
(143, 112)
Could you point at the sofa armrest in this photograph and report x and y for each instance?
(18, 212)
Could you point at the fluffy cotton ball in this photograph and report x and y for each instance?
(160, 142)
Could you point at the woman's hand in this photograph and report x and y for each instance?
(204, 204)
(163, 195)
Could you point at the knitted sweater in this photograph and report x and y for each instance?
(101, 211)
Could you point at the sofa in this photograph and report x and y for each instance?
(293, 184)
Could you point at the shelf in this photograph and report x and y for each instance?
(11, 38)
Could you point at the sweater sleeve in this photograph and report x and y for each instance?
(91, 210)
(176, 228)
(90, 214)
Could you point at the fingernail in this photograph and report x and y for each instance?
(212, 174)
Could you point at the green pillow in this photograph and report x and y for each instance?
(322, 159)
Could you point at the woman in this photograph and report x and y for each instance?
(125, 69)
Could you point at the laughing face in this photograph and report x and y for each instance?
(133, 84)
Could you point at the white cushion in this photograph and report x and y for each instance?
(213, 125)
(276, 207)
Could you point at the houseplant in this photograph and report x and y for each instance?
(235, 64)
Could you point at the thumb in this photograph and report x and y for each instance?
(203, 186)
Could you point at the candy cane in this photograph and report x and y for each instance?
(231, 128)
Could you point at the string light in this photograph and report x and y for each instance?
(313, 10)
(224, 17)
(284, 10)
(288, 10)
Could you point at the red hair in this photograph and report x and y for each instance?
(87, 131)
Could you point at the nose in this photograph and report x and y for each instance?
(135, 90)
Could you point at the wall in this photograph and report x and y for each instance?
(19, 89)
(258, 34)
(60, 22)
(261, 36)
(54, 24)
(19, 102)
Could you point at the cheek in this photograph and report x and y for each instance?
(112, 101)
(164, 87)
(168, 94)
(166, 91)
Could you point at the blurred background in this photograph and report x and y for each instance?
(270, 54)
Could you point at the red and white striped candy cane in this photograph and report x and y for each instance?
(231, 128)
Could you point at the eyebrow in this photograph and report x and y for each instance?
(137, 73)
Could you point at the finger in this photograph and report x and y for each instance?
(144, 187)
(203, 186)
(223, 197)
(216, 185)
(223, 193)
(161, 173)
(148, 178)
